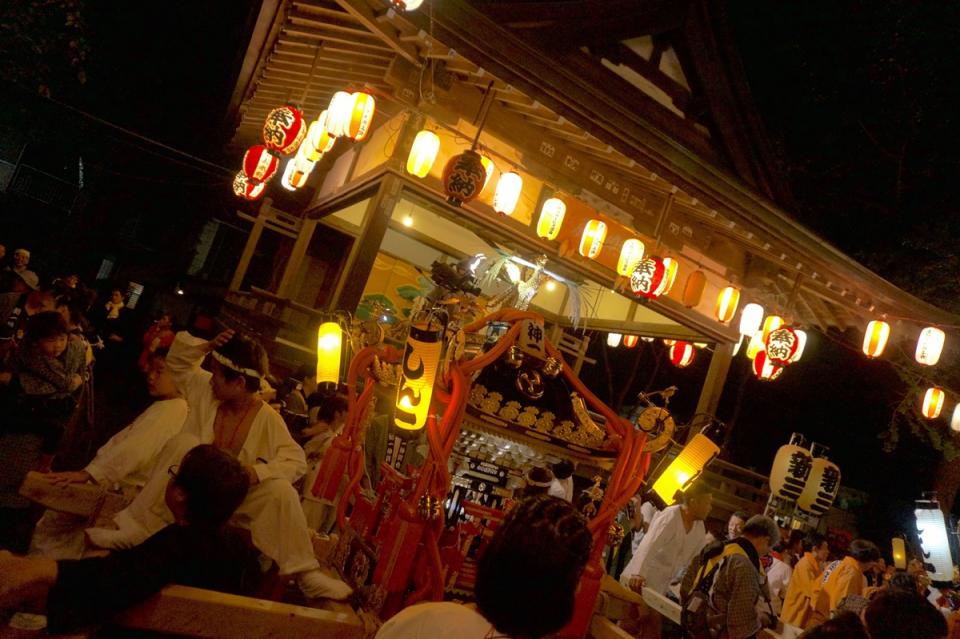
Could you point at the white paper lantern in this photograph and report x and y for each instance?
(930, 345)
(790, 471)
(955, 419)
(933, 538)
(821, 488)
(801, 344)
(750, 319)
(507, 195)
(613, 339)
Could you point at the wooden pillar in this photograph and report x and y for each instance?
(715, 381)
(297, 253)
(241, 271)
(359, 263)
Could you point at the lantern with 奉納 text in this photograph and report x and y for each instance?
(421, 359)
(259, 164)
(934, 540)
(693, 289)
(594, 235)
(781, 345)
(463, 177)
(246, 188)
(507, 195)
(821, 488)
(685, 468)
(875, 338)
(727, 302)
(750, 319)
(681, 354)
(930, 345)
(646, 277)
(764, 369)
(791, 468)
(283, 129)
(932, 402)
(551, 218)
(423, 153)
(630, 255)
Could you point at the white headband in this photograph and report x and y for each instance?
(226, 361)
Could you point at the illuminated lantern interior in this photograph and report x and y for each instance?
(685, 468)
(647, 276)
(421, 359)
(246, 188)
(293, 178)
(875, 338)
(932, 402)
(594, 234)
(361, 116)
(613, 339)
(955, 419)
(630, 255)
(764, 369)
(671, 266)
(551, 218)
(259, 164)
(899, 553)
(339, 114)
(770, 324)
(488, 168)
(933, 538)
(750, 319)
(693, 289)
(283, 129)
(507, 195)
(329, 353)
(930, 345)
(423, 153)
(630, 340)
(755, 345)
(821, 488)
(781, 346)
(681, 354)
(727, 302)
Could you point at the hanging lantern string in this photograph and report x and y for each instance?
(481, 119)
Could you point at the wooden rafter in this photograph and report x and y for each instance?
(364, 14)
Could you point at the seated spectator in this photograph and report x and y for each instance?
(159, 335)
(195, 550)
(526, 580)
(903, 615)
(124, 462)
(321, 514)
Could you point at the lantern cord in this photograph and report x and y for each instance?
(482, 114)
(313, 68)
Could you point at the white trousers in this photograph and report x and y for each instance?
(271, 512)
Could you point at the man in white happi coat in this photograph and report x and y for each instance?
(225, 410)
(124, 462)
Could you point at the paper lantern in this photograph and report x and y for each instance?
(329, 353)
(801, 344)
(738, 345)
(283, 129)
(821, 488)
(750, 319)
(630, 255)
(647, 276)
(507, 195)
(790, 471)
(594, 234)
(933, 538)
(551, 218)
(875, 338)
(955, 419)
(463, 177)
(770, 324)
(899, 553)
(727, 302)
(685, 468)
(339, 113)
(669, 342)
(671, 266)
(423, 153)
(630, 340)
(362, 110)
(613, 339)
(647, 339)
(293, 178)
(755, 345)
(302, 163)
(764, 369)
(318, 141)
(932, 402)
(930, 345)
(259, 164)
(781, 346)
(488, 167)
(681, 354)
(246, 188)
(421, 358)
(693, 289)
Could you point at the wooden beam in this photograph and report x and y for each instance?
(310, 33)
(714, 382)
(364, 14)
(334, 26)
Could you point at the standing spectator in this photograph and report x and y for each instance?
(159, 335)
(778, 578)
(735, 524)
(798, 600)
(844, 578)
(18, 278)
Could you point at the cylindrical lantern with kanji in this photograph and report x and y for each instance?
(246, 188)
(930, 345)
(791, 468)
(727, 302)
(463, 177)
(932, 402)
(647, 276)
(551, 218)
(362, 110)
(781, 345)
(283, 129)
(821, 488)
(594, 235)
(259, 164)
(764, 369)
(630, 255)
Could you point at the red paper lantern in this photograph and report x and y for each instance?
(647, 276)
(764, 369)
(681, 354)
(259, 164)
(782, 345)
(246, 188)
(284, 129)
(463, 177)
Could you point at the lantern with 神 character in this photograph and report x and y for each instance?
(781, 346)
(259, 164)
(246, 188)
(283, 129)
(647, 276)
(821, 488)
(934, 541)
(791, 469)
(463, 177)
(764, 369)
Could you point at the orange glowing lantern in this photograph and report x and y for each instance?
(681, 354)
(671, 266)
(630, 255)
(489, 167)
(727, 302)
(551, 218)
(423, 153)
(693, 289)
(630, 340)
(362, 110)
(421, 359)
(875, 338)
(594, 234)
(463, 177)
(770, 324)
(932, 402)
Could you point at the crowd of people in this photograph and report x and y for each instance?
(217, 471)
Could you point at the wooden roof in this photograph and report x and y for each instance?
(637, 106)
